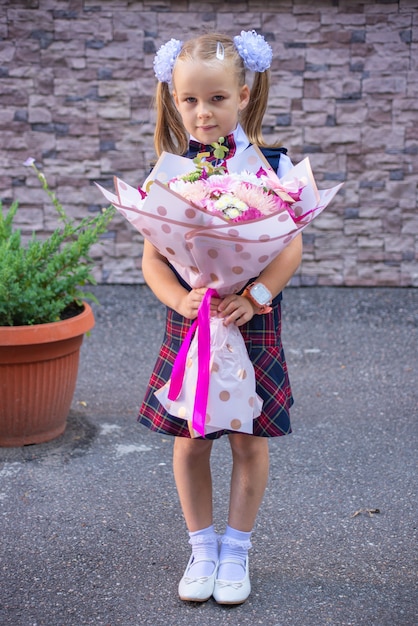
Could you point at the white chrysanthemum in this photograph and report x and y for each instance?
(228, 201)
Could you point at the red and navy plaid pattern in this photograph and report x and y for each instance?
(195, 147)
(262, 336)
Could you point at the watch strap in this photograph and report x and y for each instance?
(260, 309)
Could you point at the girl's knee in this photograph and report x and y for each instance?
(192, 448)
(247, 446)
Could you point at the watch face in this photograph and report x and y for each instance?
(261, 294)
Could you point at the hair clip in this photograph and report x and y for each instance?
(254, 51)
(220, 51)
(165, 59)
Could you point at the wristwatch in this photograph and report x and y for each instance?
(260, 296)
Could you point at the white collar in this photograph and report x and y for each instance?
(241, 140)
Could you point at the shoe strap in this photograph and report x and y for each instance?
(231, 583)
(234, 562)
(193, 561)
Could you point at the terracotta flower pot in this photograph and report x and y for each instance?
(38, 374)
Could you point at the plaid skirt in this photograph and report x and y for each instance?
(262, 336)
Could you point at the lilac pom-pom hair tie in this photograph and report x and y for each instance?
(254, 50)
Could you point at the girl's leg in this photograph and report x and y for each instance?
(191, 465)
(250, 469)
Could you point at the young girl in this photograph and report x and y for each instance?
(202, 95)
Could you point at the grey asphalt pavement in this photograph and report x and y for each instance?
(91, 528)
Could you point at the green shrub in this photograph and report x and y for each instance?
(42, 279)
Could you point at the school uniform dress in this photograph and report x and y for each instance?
(262, 337)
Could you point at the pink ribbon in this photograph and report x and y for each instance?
(202, 324)
(299, 218)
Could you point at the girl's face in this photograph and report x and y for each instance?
(208, 99)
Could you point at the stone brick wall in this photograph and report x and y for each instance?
(76, 87)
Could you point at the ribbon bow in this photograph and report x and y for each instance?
(195, 148)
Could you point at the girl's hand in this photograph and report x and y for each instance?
(190, 302)
(236, 310)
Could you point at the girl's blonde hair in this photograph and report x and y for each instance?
(170, 134)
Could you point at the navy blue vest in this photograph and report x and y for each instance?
(273, 156)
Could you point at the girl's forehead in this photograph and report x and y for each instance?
(196, 74)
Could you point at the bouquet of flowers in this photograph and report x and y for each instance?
(219, 226)
(236, 196)
(205, 248)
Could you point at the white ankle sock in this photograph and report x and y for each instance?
(205, 551)
(234, 545)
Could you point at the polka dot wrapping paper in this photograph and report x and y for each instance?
(206, 249)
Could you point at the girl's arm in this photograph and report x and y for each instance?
(281, 269)
(163, 282)
(239, 309)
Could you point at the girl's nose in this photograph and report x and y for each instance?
(204, 111)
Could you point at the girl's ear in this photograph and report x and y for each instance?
(175, 99)
(244, 97)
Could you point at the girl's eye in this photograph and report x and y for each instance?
(191, 100)
(218, 98)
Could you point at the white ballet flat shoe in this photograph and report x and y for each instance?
(232, 591)
(199, 589)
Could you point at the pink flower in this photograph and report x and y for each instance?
(196, 192)
(249, 214)
(218, 185)
(256, 197)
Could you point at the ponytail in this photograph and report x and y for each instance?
(170, 134)
(253, 114)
